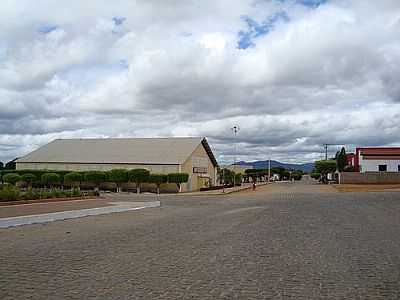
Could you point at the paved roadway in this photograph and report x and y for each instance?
(286, 241)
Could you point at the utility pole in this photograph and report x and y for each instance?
(326, 149)
(235, 129)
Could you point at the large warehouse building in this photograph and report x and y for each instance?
(158, 155)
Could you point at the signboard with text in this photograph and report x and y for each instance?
(200, 170)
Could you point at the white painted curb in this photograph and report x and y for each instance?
(73, 214)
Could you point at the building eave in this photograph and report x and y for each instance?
(209, 152)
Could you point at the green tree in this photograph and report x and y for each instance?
(341, 160)
(297, 175)
(11, 178)
(1, 165)
(255, 174)
(118, 176)
(315, 175)
(238, 179)
(225, 176)
(138, 176)
(73, 179)
(282, 172)
(29, 179)
(11, 165)
(325, 166)
(95, 177)
(50, 179)
(178, 179)
(158, 179)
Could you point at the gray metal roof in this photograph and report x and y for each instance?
(118, 151)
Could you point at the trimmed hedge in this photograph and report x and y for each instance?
(118, 176)
(178, 178)
(37, 173)
(73, 179)
(138, 176)
(40, 178)
(11, 178)
(95, 177)
(158, 179)
(10, 193)
(28, 178)
(50, 179)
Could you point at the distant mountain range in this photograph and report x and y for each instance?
(263, 164)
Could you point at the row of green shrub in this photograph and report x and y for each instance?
(10, 193)
(282, 172)
(75, 179)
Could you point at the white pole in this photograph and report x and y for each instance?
(269, 169)
(234, 158)
(234, 165)
(223, 180)
(235, 131)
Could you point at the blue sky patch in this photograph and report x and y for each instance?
(45, 29)
(255, 30)
(118, 21)
(312, 3)
(186, 34)
(308, 3)
(123, 64)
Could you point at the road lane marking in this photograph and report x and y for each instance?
(240, 210)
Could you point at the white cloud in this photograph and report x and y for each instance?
(173, 68)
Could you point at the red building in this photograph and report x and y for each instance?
(375, 159)
(350, 159)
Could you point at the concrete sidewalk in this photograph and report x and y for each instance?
(114, 207)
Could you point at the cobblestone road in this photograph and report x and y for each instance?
(289, 244)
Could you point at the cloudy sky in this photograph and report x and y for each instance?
(292, 74)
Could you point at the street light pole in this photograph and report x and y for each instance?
(235, 130)
(326, 151)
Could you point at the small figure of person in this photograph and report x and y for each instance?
(254, 185)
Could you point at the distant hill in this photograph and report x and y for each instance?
(263, 164)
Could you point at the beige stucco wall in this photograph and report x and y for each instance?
(159, 169)
(187, 167)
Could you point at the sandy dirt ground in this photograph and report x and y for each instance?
(302, 187)
(50, 207)
(367, 187)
